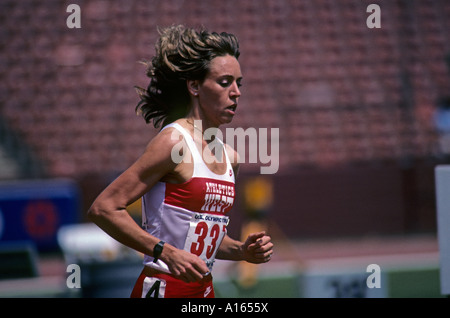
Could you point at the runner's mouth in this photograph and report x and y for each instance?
(232, 107)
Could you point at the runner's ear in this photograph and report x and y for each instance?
(193, 86)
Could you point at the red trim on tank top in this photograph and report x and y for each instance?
(203, 195)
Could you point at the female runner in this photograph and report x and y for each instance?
(194, 86)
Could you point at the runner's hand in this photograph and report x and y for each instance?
(258, 248)
(184, 265)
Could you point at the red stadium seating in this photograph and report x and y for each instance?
(338, 91)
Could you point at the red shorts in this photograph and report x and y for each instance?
(166, 286)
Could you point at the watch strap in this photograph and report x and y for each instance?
(157, 250)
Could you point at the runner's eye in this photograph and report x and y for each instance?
(224, 83)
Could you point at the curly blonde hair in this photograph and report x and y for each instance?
(181, 54)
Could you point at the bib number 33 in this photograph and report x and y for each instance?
(206, 232)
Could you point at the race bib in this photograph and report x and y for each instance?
(206, 232)
(153, 287)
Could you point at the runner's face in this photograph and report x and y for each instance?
(219, 93)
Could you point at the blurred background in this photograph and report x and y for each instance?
(363, 117)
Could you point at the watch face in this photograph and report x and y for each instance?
(158, 249)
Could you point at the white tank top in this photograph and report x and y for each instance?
(190, 215)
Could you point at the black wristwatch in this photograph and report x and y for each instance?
(157, 250)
